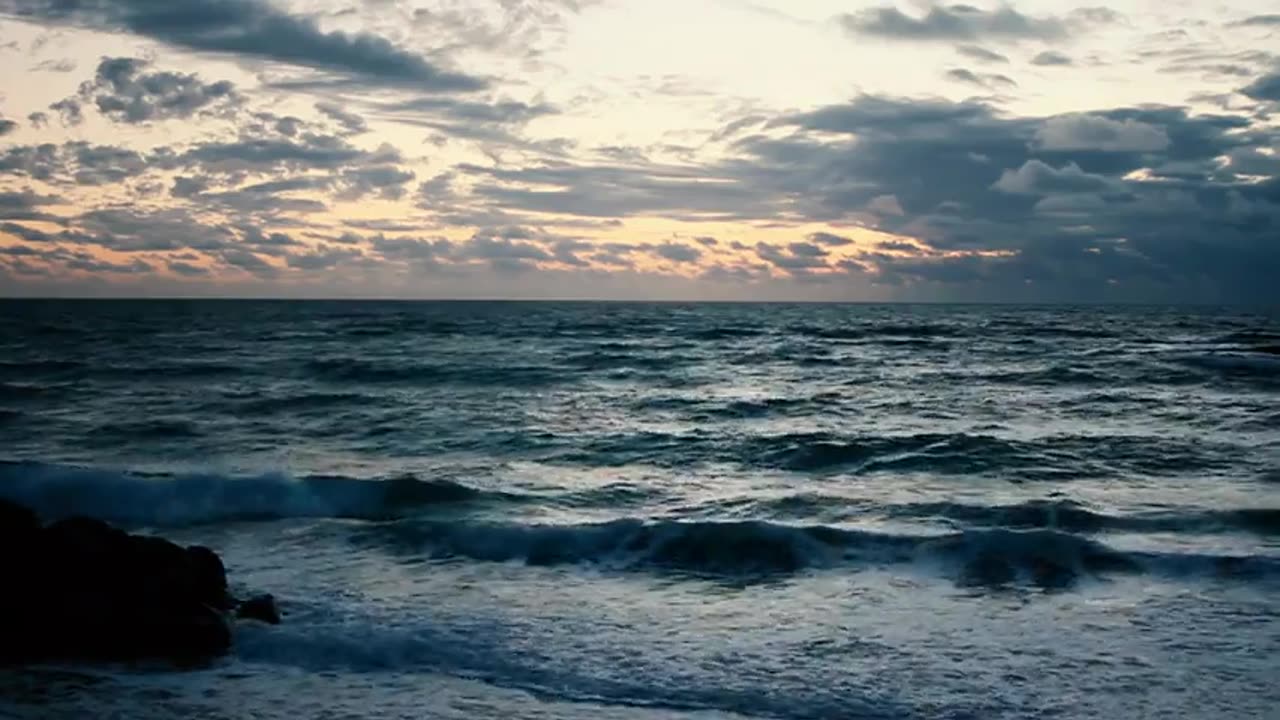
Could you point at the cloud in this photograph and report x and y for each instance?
(69, 110)
(983, 80)
(252, 29)
(613, 191)
(885, 205)
(1038, 178)
(78, 163)
(1260, 21)
(1094, 132)
(187, 269)
(677, 252)
(490, 122)
(795, 259)
(981, 54)
(1050, 58)
(57, 66)
(826, 238)
(998, 201)
(248, 262)
(25, 205)
(323, 258)
(350, 122)
(7, 126)
(123, 92)
(1266, 87)
(386, 181)
(954, 23)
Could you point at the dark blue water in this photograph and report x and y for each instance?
(653, 510)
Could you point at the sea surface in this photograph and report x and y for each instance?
(586, 510)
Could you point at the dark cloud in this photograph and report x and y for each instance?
(789, 260)
(830, 240)
(411, 249)
(677, 252)
(79, 163)
(1266, 87)
(981, 54)
(7, 126)
(615, 191)
(952, 23)
(25, 205)
(123, 91)
(1037, 178)
(186, 269)
(254, 30)
(249, 262)
(350, 122)
(1261, 21)
(69, 110)
(38, 119)
(1051, 58)
(131, 230)
(96, 265)
(987, 81)
(1086, 131)
(269, 153)
(484, 246)
(493, 122)
(385, 181)
(323, 258)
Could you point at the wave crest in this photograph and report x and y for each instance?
(57, 491)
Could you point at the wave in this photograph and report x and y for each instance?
(1070, 516)
(1258, 369)
(154, 429)
(39, 368)
(1251, 338)
(169, 500)
(614, 360)
(882, 330)
(726, 333)
(170, 371)
(351, 370)
(1027, 330)
(26, 391)
(759, 549)
(943, 453)
(1058, 457)
(704, 409)
(305, 401)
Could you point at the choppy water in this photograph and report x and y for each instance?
(667, 510)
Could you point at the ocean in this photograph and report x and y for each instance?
(585, 510)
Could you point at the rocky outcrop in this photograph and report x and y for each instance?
(80, 589)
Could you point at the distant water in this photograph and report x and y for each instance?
(675, 510)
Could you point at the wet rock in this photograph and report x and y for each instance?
(261, 608)
(80, 589)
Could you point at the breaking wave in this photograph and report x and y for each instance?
(176, 500)
(747, 549)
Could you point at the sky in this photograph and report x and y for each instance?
(845, 150)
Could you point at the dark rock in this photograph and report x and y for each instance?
(261, 608)
(16, 521)
(209, 577)
(81, 589)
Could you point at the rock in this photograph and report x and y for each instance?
(81, 589)
(16, 521)
(209, 577)
(261, 608)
